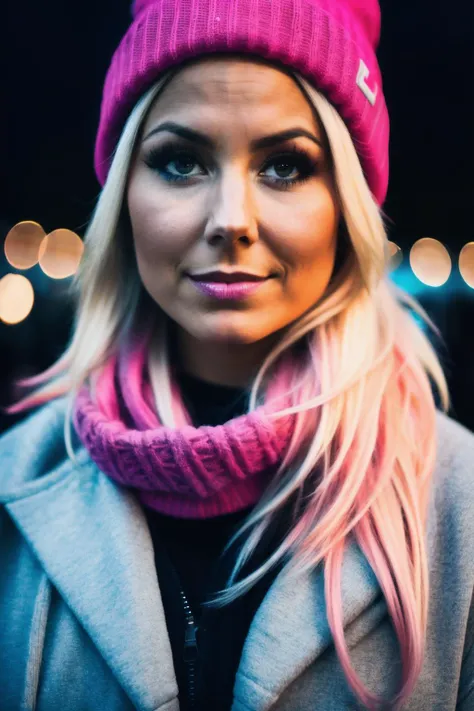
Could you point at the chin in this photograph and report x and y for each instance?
(226, 329)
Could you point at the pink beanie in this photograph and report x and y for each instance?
(332, 43)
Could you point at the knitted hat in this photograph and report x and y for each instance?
(332, 43)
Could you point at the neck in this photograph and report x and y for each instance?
(222, 363)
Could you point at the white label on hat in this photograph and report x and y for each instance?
(362, 75)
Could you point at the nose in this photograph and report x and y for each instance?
(232, 214)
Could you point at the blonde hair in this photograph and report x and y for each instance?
(365, 397)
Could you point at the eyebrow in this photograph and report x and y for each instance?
(201, 139)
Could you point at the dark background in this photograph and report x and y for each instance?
(55, 56)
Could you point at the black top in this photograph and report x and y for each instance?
(188, 557)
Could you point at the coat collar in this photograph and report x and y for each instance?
(92, 540)
(291, 630)
(84, 528)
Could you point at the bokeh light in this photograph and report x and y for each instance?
(430, 261)
(16, 298)
(396, 255)
(466, 264)
(60, 253)
(22, 244)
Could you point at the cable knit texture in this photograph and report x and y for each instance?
(188, 472)
(332, 43)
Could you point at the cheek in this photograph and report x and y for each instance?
(161, 231)
(308, 243)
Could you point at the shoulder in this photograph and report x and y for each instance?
(34, 446)
(451, 508)
(454, 474)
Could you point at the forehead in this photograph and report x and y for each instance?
(233, 89)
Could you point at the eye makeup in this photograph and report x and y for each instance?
(161, 158)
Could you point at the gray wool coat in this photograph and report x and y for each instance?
(82, 626)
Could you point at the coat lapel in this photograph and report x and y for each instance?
(94, 544)
(290, 629)
(84, 529)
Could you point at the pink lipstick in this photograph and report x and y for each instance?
(231, 291)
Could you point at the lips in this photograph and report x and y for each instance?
(225, 291)
(227, 278)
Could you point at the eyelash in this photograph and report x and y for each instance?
(159, 157)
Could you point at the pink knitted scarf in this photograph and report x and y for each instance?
(186, 472)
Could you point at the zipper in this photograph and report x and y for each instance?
(190, 651)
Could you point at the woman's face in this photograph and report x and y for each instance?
(213, 187)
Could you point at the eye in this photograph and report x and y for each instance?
(183, 164)
(176, 165)
(287, 163)
(285, 166)
(173, 165)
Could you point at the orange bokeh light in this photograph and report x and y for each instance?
(466, 264)
(60, 253)
(16, 298)
(22, 244)
(430, 261)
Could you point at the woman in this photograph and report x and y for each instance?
(240, 494)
